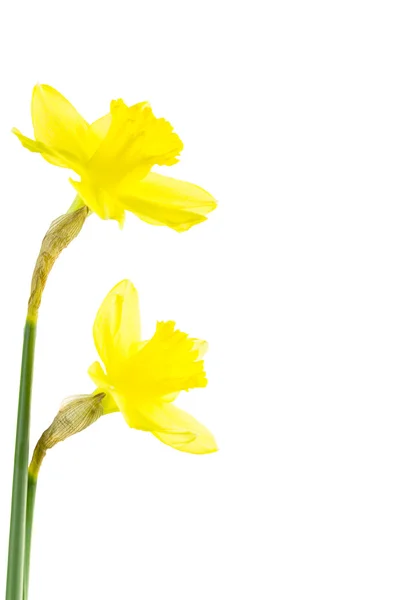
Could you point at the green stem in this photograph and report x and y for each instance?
(21, 461)
(72, 418)
(60, 234)
(30, 507)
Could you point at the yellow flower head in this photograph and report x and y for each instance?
(142, 379)
(113, 157)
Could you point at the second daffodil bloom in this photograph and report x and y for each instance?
(143, 378)
(113, 158)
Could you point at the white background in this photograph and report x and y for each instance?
(290, 115)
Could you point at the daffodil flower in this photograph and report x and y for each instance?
(143, 378)
(113, 158)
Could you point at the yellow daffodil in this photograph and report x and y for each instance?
(142, 378)
(113, 158)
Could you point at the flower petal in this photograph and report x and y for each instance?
(98, 131)
(97, 375)
(168, 423)
(116, 329)
(178, 429)
(53, 156)
(100, 379)
(58, 124)
(188, 435)
(201, 347)
(163, 200)
(100, 127)
(100, 201)
(203, 443)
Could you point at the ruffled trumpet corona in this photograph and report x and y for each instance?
(113, 158)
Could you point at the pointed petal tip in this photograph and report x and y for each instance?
(209, 443)
(121, 221)
(43, 87)
(199, 444)
(212, 449)
(201, 346)
(123, 286)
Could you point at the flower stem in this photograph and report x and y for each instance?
(21, 459)
(30, 507)
(73, 417)
(60, 234)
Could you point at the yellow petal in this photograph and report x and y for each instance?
(100, 379)
(52, 155)
(97, 375)
(163, 200)
(100, 201)
(108, 402)
(58, 125)
(116, 329)
(203, 443)
(170, 397)
(98, 131)
(168, 423)
(183, 432)
(177, 428)
(100, 127)
(201, 347)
